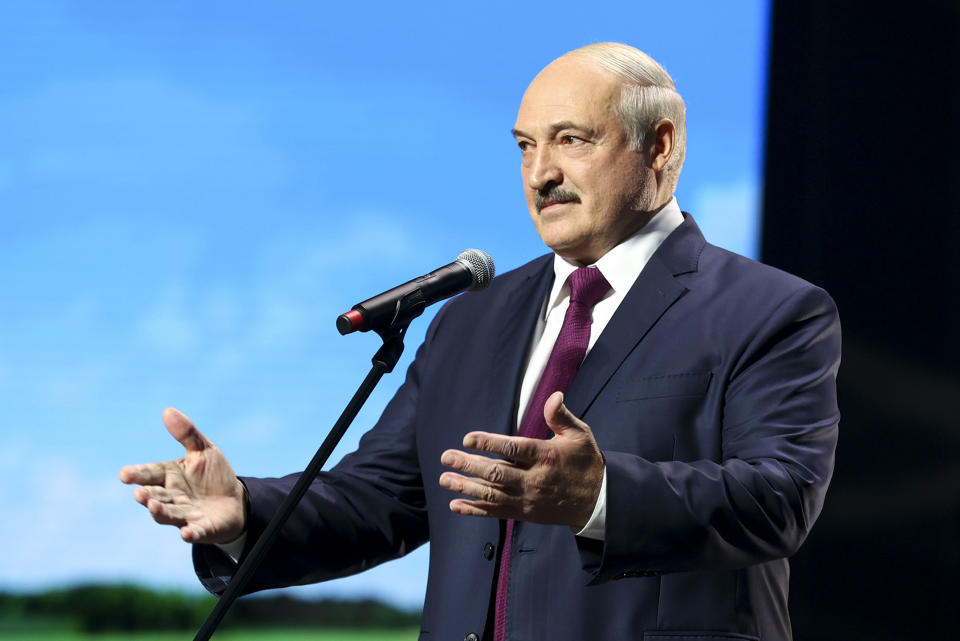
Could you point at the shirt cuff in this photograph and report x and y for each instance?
(234, 549)
(596, 527)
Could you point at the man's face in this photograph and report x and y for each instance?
(586, 187)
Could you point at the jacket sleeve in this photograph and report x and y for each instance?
(368, 509)
(778, 433)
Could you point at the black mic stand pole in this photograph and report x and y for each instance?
(383, 362)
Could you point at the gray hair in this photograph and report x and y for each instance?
(648, 95)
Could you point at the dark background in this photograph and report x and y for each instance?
(861, 198)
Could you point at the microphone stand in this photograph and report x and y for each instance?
(383, 362)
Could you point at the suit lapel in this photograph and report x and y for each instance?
(514, 328)
(652, 294)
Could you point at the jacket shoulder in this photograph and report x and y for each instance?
(739, 272)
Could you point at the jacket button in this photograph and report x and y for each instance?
(471, 637)
(488, 551)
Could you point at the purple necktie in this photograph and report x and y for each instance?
(587, 287)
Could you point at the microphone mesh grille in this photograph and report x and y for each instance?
(480, 265)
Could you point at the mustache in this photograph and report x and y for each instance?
(553, 194)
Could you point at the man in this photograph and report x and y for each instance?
(690, 450)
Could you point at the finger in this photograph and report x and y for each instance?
(142, 495)
(560, 419)
(514, 448)
(191, 533)
(197, 532)
(496, 471)
(475, 508)
(183, 429)
(169, 514)
(477, 489)
(145, 473)
(162, 494)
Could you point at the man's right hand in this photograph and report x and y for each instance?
(198, 493)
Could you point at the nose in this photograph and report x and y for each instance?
(542, 168)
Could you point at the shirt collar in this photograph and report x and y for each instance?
(622, 264)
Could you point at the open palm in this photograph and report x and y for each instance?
(198, 493)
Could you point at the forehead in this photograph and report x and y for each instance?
(569, 89)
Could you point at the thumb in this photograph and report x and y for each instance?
(560, 419)
(183, 429)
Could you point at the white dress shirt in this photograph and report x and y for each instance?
(620, 266)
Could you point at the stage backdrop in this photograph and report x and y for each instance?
(190, 192)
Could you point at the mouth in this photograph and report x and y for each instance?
(553, 203)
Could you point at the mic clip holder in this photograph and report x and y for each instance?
(408, 308)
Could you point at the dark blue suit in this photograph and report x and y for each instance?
(711, 394)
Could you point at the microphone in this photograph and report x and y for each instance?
(473, 270)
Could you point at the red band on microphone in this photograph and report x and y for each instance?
(356, 319)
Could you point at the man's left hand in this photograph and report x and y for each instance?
(555, 481)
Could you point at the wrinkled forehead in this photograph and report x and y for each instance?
(568, 87)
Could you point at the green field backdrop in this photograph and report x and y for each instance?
(271, 634)
(115, 612)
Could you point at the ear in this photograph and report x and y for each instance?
(661, 145)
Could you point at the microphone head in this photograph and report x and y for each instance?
(480, 266)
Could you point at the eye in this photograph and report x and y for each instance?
(523, 145)
(570, 139)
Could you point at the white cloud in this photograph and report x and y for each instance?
(93, 128)
(71, 524)
(168, 326)
(256, 429)
(296, 283)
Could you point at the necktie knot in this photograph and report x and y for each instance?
(587, 286)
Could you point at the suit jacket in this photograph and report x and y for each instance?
(712, 396)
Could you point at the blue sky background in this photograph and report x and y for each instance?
(190, 192)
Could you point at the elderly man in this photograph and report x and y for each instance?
(688, 395)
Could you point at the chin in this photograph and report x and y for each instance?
(558, 234)
(571, 251)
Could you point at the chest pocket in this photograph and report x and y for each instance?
(664, 386)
